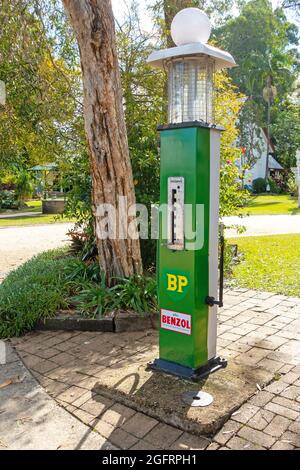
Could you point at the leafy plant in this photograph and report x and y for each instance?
(274, 187)
(24, 187)
(259, 185)
(137, 293)
(35, 290)
(8, 200)
(79, 271)
(292, 186)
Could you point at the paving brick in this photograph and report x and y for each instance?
(227, 432)
(44, 366)
(253, 356)
(256, 437)
(83, 416)
(190, 442)
(290, 377)
(240, 347)
(295, 427)
(143, 445)
(97, 405)
(276, 387)
(122, 439)
(105, 429)
(281, 410)
(71, 394)
(86, 396)
(30, 360)
(47, 353)
(245, 413)
(55, 388)
(117, 415)
(163, 435)
(139, 425)
(261, 398)
(291, 392)
(278, 426)
(261, 420)
(291, 404)
(291, 438)
(279, 445)
(269, 364)
(213, 446)
(63, 358)
(237, 443)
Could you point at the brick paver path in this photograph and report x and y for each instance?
(255, 328)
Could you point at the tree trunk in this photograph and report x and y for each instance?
(105, 128)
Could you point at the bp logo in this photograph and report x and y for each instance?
(175, 284)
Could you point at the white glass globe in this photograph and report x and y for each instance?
(190, 25)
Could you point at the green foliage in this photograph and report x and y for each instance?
(79, 272)
(228, 106)
(259, 185)
(35, 290)
(286, 132)
(55, 280)
(42, 118)
(137, 293)
(270, 263)
(262, 42)
(274, 187)
(292, 186)
(8, 200)
(24, 186)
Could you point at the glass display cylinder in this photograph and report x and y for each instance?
(191, 89)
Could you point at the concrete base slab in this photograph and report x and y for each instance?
(160, 395)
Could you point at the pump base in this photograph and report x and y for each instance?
(188, 373)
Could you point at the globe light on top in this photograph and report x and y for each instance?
(190, 25)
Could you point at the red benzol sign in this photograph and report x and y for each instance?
(174, 321)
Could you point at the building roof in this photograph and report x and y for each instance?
(273, 164)
(272, 146)
(45, 167)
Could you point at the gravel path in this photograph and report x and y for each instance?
(19, 244)
(257, 225)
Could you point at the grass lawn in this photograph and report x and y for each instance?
(272, 205)
(269, 263)
(33, 218)
(38, 219)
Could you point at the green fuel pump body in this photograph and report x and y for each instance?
(188, 250)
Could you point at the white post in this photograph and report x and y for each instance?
(2, 93)
(298, 175)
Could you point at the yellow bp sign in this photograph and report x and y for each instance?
(175, 284)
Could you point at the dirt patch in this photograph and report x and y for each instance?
(160, 395)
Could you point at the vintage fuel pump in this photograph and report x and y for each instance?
(189, 189)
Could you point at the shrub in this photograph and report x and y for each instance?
(55, 280)
(8, 200)
(259, 185)
(137, 293)
(35, 290)
(292, 186)
(274, 187)
(24, 187)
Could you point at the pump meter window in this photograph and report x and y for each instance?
(176, 213)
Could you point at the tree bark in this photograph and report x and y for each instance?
(93, 23)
